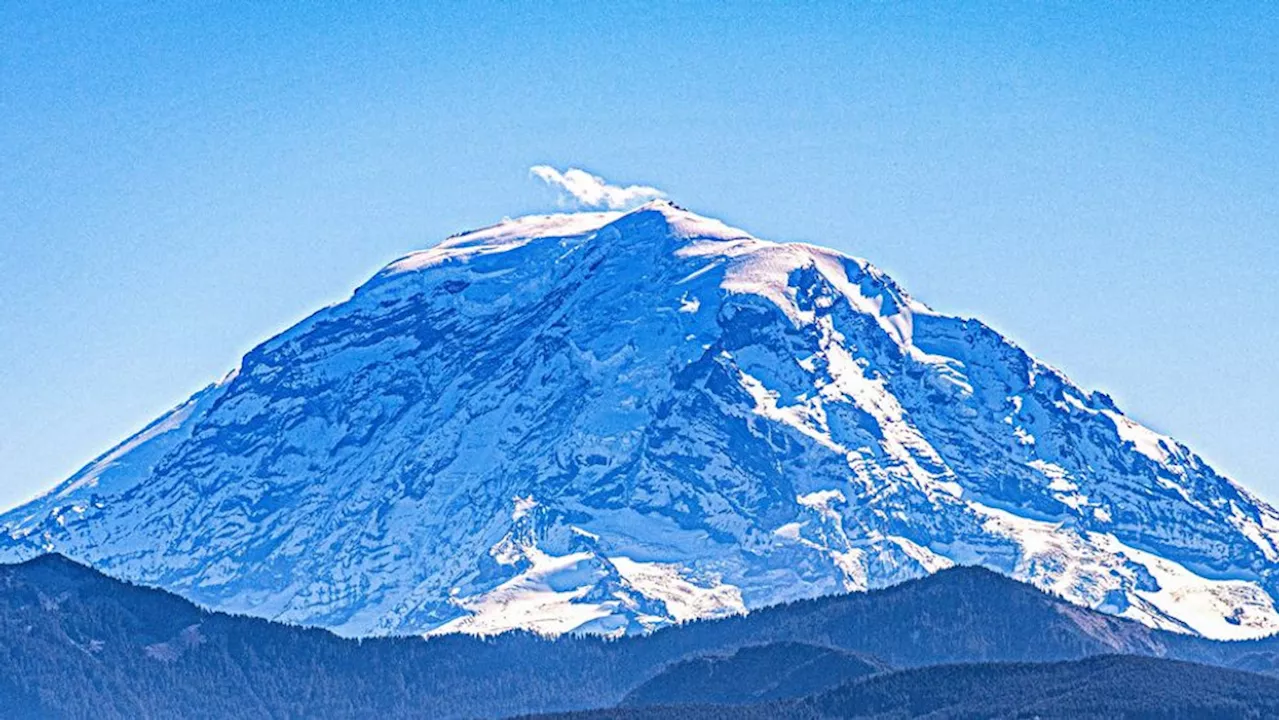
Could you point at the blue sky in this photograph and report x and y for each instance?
(1098, 181)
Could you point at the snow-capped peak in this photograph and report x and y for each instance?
(610, 421)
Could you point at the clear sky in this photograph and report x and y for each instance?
(1098, 181)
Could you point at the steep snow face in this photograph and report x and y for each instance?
(611, 422)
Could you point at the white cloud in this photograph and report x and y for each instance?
(583, 189)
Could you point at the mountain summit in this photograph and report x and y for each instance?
(608, 422)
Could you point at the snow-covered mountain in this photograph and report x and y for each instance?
(613, 421)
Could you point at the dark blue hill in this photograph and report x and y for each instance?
(1109, 687)
(77, 644)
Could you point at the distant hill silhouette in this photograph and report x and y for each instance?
(75, 643)
(752, 674)
(1100, 688)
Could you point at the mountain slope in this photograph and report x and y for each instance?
(76, 643)
(754, 673)
(610, 422)
(1102, 688)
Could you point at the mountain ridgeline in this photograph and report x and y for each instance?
(77, 644)
(613, 422)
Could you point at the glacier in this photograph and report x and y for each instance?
(611, 422)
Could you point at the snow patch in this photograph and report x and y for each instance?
(523, 506)
(544, 599)
(1086, 566)
(1146, 441)
(684, 599)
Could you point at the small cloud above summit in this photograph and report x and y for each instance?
(582, 189)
